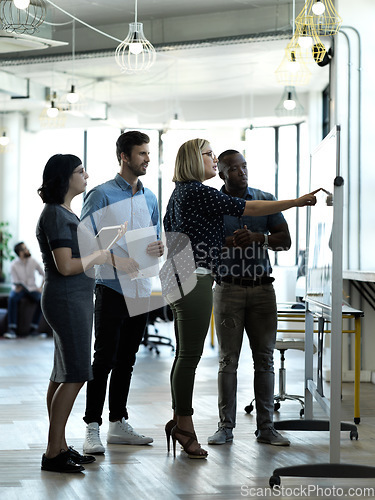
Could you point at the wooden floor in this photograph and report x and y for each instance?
(232, 471)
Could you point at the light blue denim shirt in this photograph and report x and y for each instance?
(113, 203)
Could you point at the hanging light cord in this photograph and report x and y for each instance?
(73, 48)
(83, 22)
(136, 11)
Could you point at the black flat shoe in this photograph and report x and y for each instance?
(77, 458)
(61, 463)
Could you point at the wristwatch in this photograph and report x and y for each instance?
(265, 244)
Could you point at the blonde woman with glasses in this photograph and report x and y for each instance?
(195, 212)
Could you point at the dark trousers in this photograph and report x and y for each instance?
(192, 314)
(13, 301)
(117, 340)
(253, 310)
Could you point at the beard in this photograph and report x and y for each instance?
(136, 170)
(27, 254)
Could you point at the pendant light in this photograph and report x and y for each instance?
(4, 139)
(293, 70)
(320, 16)
(21, 4)
(289, 104)
(52, 109)
(135, 53)
(72, 96)
(22, 17)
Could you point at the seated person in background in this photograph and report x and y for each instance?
(22, 273)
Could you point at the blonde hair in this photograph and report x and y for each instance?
(189, 164)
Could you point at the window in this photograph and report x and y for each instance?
(273, 157)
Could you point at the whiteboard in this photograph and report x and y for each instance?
(324, 169)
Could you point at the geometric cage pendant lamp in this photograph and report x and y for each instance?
(135, 53)
(289, 104)
(307, 48)
(292, 70)
(22, 16)
(319, 16)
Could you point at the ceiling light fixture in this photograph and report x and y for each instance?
(308, 47)
(292, 69)
(135, 53)
(73, 97)
(4, 139)
(318, 8)
(289, 104)
(21, 4)
(17, 17)
(319, 15)
(52, 111)
(305, 41)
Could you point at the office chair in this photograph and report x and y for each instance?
(152, 341)
(282, 345)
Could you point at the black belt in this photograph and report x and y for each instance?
(265, 280)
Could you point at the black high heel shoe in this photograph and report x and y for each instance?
(168, 429)
(195, 453)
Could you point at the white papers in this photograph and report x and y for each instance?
(137, 241)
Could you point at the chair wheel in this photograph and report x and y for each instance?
(301, 412)
(249, 408)
(276, 406)
(274, 481)
(353, 435)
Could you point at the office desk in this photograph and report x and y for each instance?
(287, 314)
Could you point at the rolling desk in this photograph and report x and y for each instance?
(286, 313)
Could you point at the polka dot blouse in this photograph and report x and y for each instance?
(197, 211)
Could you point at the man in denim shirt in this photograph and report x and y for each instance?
(245, 300)
(121, 302)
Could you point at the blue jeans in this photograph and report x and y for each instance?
(253, 309)
(13, 301)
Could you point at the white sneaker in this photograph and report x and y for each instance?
(92, 444)
(10, 335)
(120, 432)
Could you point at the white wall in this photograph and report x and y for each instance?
(358, 251)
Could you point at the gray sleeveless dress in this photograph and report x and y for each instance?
(67, 301)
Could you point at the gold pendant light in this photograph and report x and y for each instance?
(319, 16)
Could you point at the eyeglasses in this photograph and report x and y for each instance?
(210, 153)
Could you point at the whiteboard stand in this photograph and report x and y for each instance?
(331, 312)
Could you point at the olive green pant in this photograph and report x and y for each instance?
(192, 315)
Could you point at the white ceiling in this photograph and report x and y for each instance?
(180, 76)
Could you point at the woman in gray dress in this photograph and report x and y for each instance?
(67, 302)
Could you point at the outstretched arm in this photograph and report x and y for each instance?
(268, 207)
